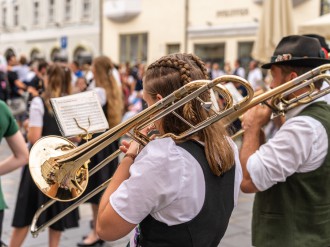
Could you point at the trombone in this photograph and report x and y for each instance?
(42, 153)
(277, 100)
(55, 161)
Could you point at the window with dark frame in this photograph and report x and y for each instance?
(67, 10)
(16, 15)
(213, 52)
(244, 53)
(4, 16)
(325, 7)
(172, 48)
(36, 13)
(51, 11)
(133, 48)
(86, 9)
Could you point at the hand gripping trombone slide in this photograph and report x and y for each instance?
(64, 165)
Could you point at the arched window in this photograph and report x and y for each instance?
(77, 52)
(35, 55)
(82, 56)
(55, 53)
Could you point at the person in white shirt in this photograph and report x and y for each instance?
(239, 70)
(255, 76)
(289, 173)
(177, 193)
(216, 71)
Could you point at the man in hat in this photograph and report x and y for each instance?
(291, 172)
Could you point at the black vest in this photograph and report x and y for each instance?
(210, 224)
(50, 126)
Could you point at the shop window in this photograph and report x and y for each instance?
(51, 11)
(325, 7)
(133, 48)
(244, 53)
(172, 48)
(213, 53)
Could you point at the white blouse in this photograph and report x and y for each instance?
(167, 182)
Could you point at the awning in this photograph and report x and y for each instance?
(320, 26)
(276, 22)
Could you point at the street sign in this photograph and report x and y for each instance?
(64, 42)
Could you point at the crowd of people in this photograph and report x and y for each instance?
(182, 193)
(119, 93)
(253, 73)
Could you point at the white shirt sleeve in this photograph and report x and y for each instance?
(101, 94)
(238, 174)
(116, 75)
(36, 113)
(300, 146)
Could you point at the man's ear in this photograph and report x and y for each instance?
(293, 75)
(159, 97)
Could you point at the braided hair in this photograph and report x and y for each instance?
(168, 74)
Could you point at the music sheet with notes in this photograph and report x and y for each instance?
(83, 109)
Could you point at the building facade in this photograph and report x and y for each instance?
(50, 29)
(215, 30)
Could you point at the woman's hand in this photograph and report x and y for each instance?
(129, 147)
(134, 147)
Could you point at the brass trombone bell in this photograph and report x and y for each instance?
(62, 183)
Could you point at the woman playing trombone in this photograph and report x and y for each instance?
(173, 194)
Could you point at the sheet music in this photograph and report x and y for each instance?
(84, 108)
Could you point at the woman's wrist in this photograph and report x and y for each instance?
(132, 156)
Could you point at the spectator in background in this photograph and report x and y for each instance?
(22, 69)
(17, 87)
(238, 69)
(255, 77)
(38, 81)
(216, 71)
(76, 71)
(81, 85)
(227, 68)
(111, 100)
(88, 75)
(208, 67)
(4, 87)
